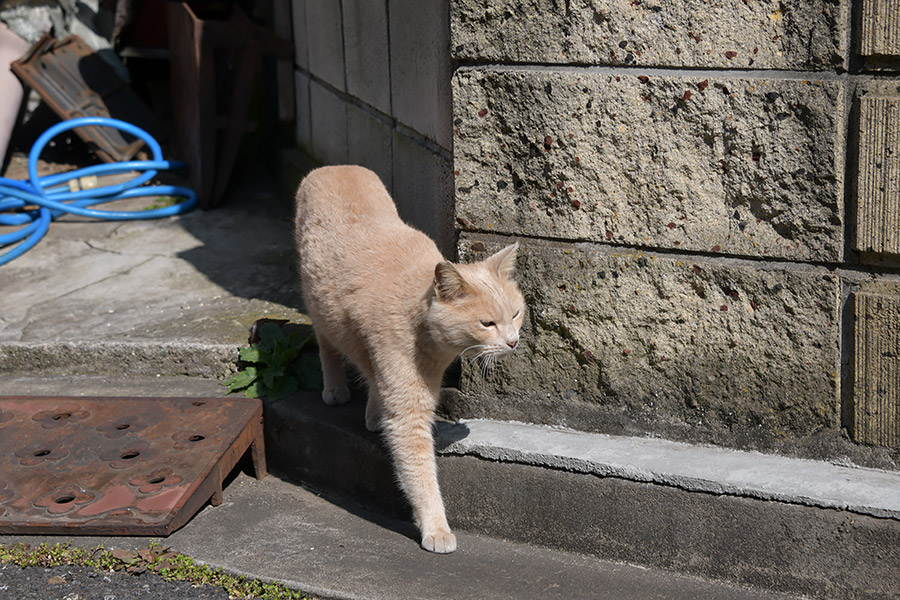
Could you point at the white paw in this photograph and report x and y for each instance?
(441, 542)
(332, 396)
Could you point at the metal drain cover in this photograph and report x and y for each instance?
(119, 466)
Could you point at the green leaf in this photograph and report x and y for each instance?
(251, 354)
(270, 335)
(271, 374)
(252, 391)
(242, 379)
(283, 356)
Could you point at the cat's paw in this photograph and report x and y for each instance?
(440, 542)
(373, 424)
(332, 396)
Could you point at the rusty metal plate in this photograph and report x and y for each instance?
(76, 82)
(119, 466)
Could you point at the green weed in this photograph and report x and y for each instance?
(154, 558)
(278, 365)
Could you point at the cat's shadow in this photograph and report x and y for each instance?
(328, 449)
(447, 433)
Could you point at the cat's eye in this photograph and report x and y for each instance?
(516, 316)
(487, 323)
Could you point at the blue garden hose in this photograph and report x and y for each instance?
(51, 195)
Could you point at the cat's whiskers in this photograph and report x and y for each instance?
(488, 358)
(481, 346)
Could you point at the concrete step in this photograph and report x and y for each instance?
(332, 546)
(158, 309)
(796, 526)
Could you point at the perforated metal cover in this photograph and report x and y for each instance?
(119, 466)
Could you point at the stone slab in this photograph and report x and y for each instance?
(370, 143)
(298, 22)
(325, 42)
(303, 127)
(328, 124)
(879, 28)
(688, 347)
(423, 189)
(739, 166)
(766, 34)
(421, 67)
(878, 177)
(367, 53)
(876, 389)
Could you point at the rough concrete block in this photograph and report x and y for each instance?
(369, 143)
(303, 125)
(298, 17)
(796, 34)
(325, 42)
(749, 167)
(366, 52)
(423, 190)
(421, 67)
(879, 28)
(713, 350)
(328, 125)
(876, 378)
(878, 177)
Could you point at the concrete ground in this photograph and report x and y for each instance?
(158, 308)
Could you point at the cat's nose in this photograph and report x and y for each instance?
(512, 343)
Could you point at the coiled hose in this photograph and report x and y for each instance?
(52, 196)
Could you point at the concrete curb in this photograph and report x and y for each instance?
(152, 357)
(794, 526)
(692, 468)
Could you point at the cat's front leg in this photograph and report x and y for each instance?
(373, 410)
(334, 378)
(408, 429)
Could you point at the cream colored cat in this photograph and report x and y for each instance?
(380, 294)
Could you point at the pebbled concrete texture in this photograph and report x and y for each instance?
(796, 34)
(710, 163)
(699, 348)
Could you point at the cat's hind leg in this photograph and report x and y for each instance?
(334, 378)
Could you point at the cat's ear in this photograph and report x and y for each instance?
(504, 262)
(448, 282)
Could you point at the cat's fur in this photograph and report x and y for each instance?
(380, 294)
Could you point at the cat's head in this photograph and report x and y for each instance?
(478, 306)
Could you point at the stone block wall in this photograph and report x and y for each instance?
(707, 197)
(373, 88)
(705, 194)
